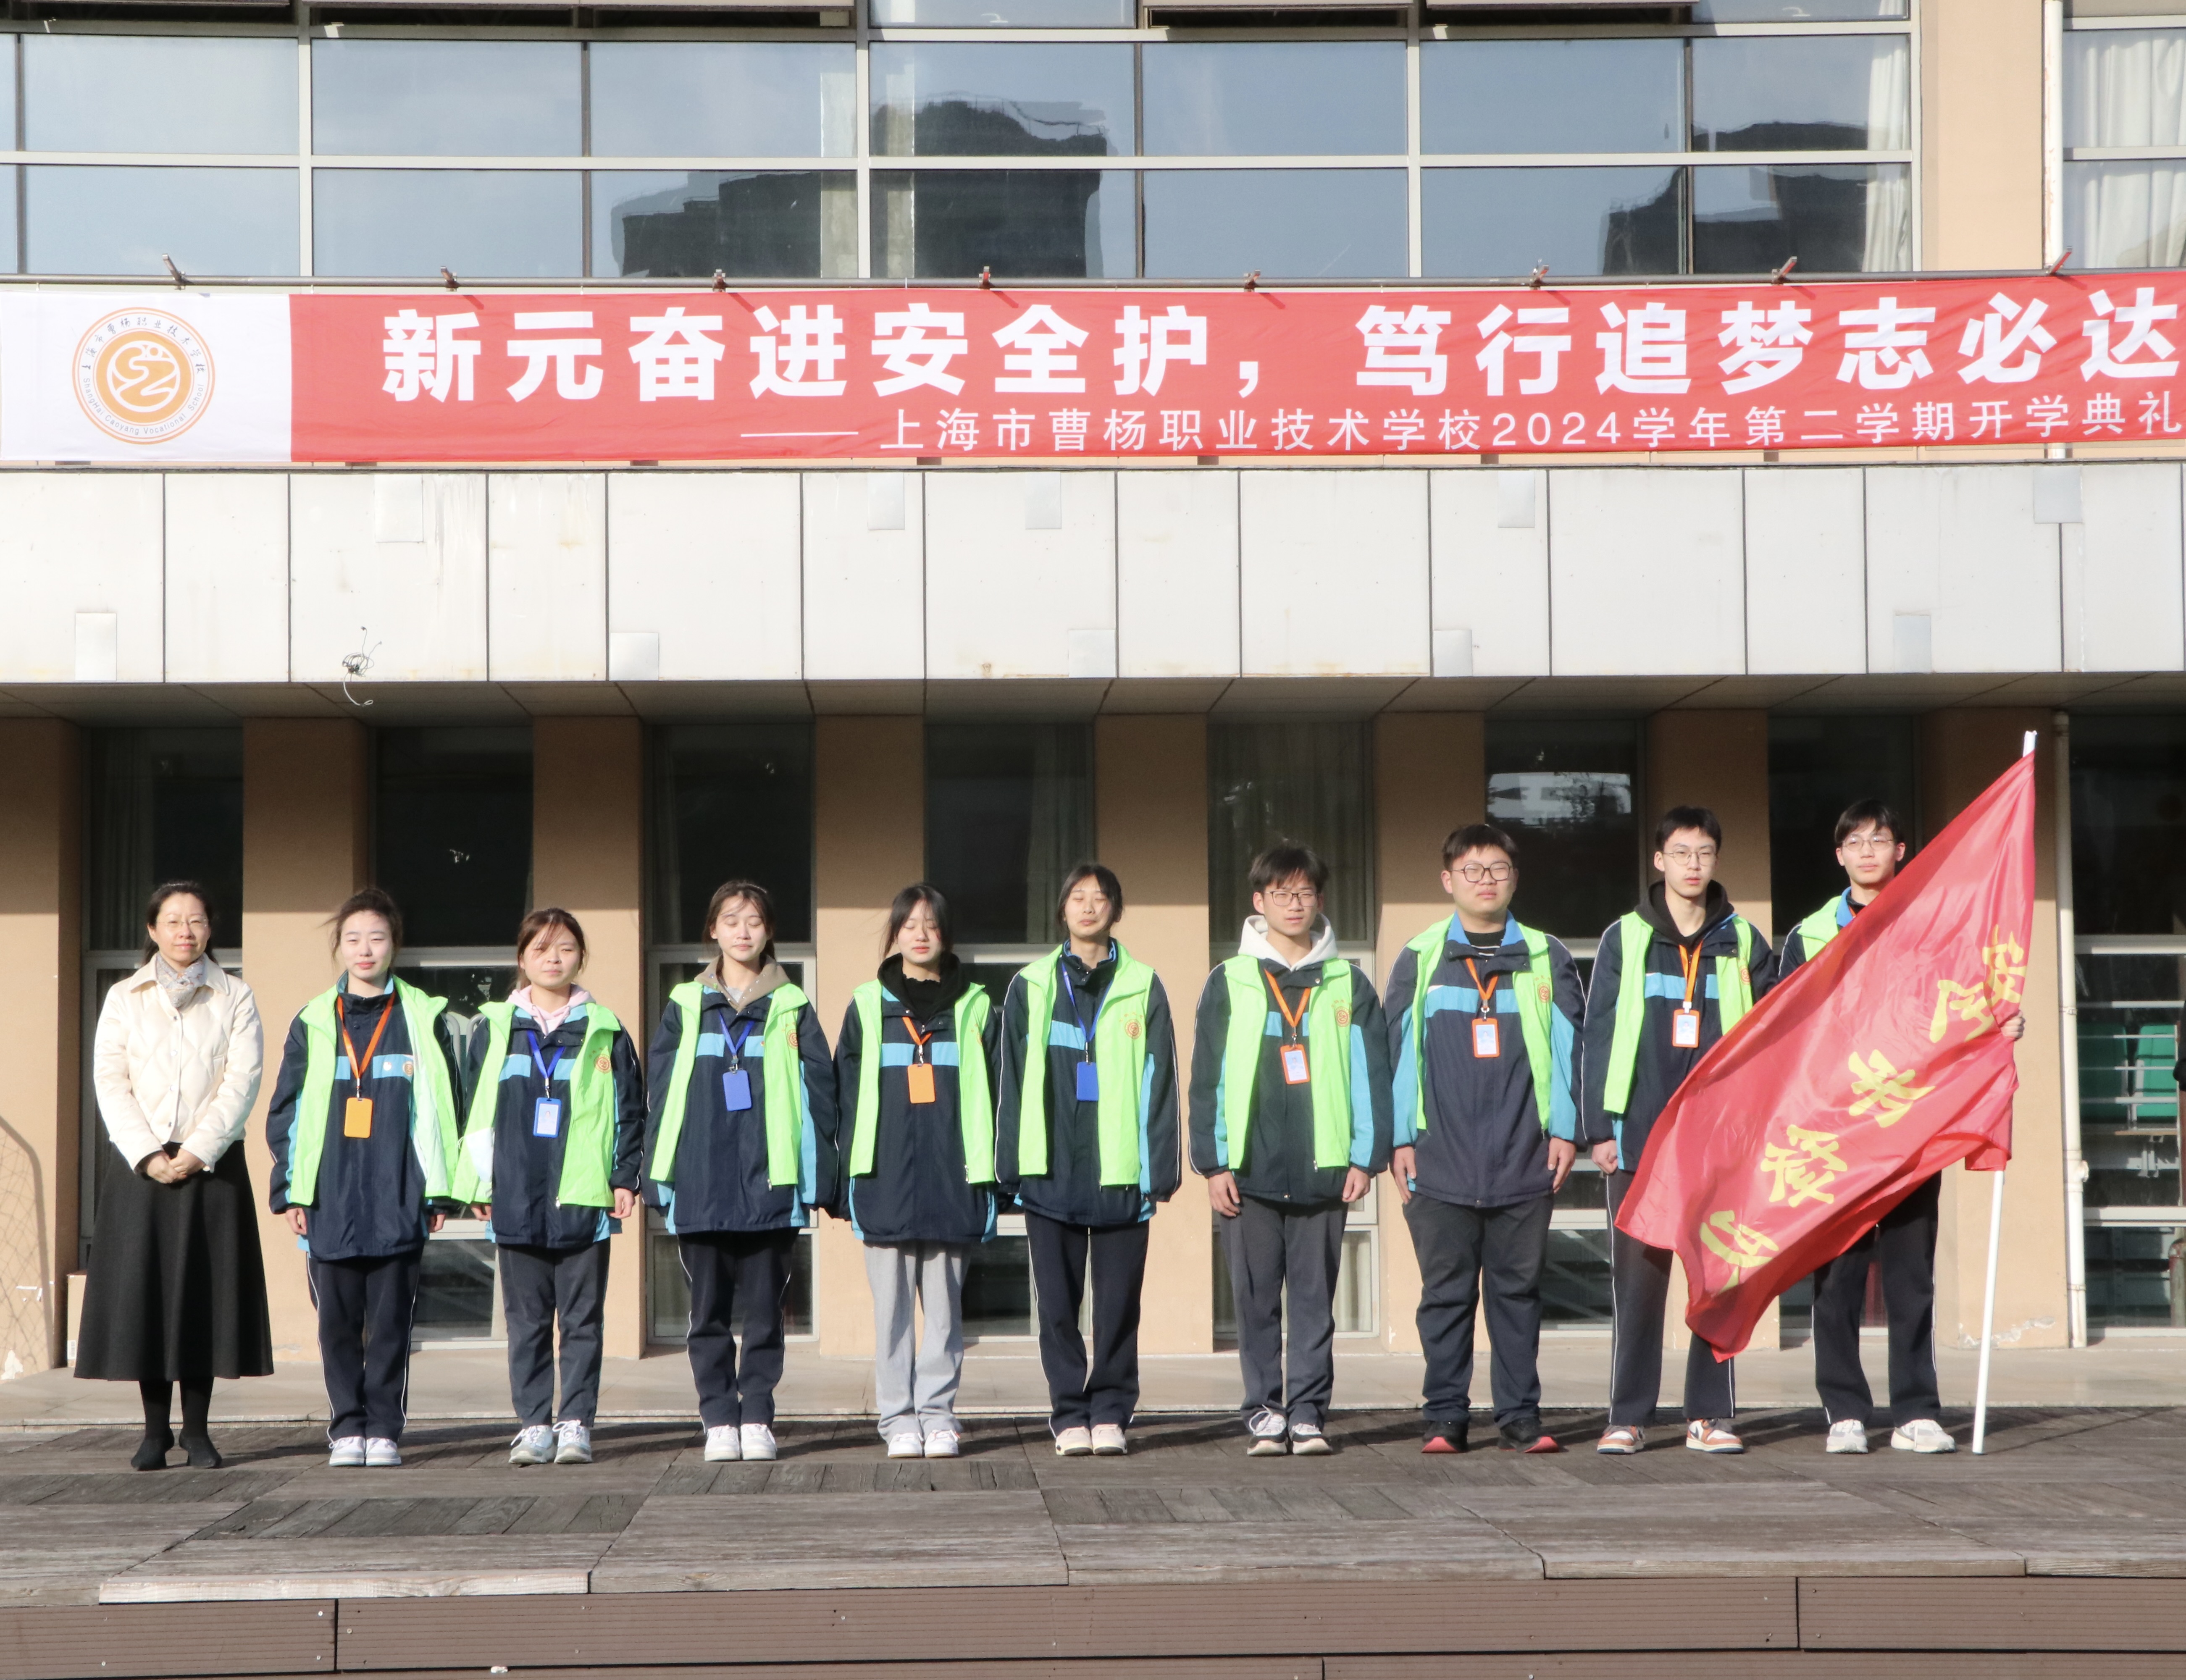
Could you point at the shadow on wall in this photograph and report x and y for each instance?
(26, 1311)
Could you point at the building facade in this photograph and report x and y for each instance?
(609, 684)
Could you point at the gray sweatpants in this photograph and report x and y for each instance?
(916, 1391)
(1273, 1249)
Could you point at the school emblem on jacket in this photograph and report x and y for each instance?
(1342, 1016)
(1548, 993)
(1133, 1027)
(409, 1066)
(601, 1064)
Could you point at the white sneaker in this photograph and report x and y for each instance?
(347, 1452)
(724, 1444)
(533, 1445)
(1108, 1441)
(1074, 1442)
(759, 1444)
(1307, 1441)
(381, 1453)
(1271, 1433)
(1923, 1435)
(573, 1442)
(906, 1446)
(942, 1444)
(1847, 1435)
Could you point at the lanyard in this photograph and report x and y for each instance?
(1689, 960)
(546, 1071)
(1290, 1020)
(1487, 992)
(358, 1070)
(919, 1040)
(1099, 1002)
(736, 1045)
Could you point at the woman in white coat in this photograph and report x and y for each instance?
(177, 1289)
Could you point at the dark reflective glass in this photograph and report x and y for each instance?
(1494, 223)
(786, 225)
(122, 218)
(1007, 14)
(723, 99)
(1817, 767)
(731, 801)
(468, 987)
(668, 1298)
(455, 1290)
(162, 805)
(157, 93)
(451, 831)
(446, 98)
(2137, 1276)
(2129, 823)
(513, 223)
(1009, 811)
(1282, 99)
(1801, 94)
(1335, 224)
(1552, 95)
(1835, 218)
(1027, 224)
(998, 1289)
(1575, 1277)
(1564, 786)
(1301, 784)
(941, 100)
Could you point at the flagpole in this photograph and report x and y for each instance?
(1988, 1314)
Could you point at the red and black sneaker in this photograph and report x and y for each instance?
(1444, 1437)
(1527, 1436)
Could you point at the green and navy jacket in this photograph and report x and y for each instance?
(369, 1197)
(1631, 1066)
(1814, 932)
(1285, 1143)
(761, 1168)
(1479, 1127)
(551, 1192)
(1100, 1163)
(919, 1171)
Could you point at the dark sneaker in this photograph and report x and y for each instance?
(1444, 1437)
(1527, 1436)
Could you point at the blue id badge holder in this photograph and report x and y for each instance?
(735, 1089)
(1089, 1082)
(547, 1117)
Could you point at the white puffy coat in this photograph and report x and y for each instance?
(187, 1077)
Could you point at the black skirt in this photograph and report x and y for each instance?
(176, 1286)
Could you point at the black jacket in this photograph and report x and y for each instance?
(917, 1191)
(1070, 1190)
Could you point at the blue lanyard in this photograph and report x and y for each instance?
(546, 1071)
(1100, 1003)
(736, 1045)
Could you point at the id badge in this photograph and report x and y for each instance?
(547, 1117)
(1487, 1038)
(357, 1118)
(735, 1089)
(919, 1076)
(1684, 1029)
(1294, 1071)
(1089, 1082)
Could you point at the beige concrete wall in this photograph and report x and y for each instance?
(1981, 133)
(869, 841)
(41, 1086)
(1962, 752)
(588, 856)
(1150, 800)
(304, 849)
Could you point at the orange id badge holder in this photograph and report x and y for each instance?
(1294, 1069)
(357, 1118)
(1487, 1038)
(1684, 1029)
(919, 1076)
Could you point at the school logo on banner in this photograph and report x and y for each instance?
(143, 376)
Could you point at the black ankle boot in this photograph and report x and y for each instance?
(151, 1453)
(203, 1455)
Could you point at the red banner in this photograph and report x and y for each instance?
(1879, 1063)
(930, 373)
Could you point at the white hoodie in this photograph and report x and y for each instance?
(1254, 944)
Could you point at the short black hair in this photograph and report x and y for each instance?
(1110, 889)
(1472, 836)
(1278, 864)
(1861, 812)
(920, 893)
(1687, 817)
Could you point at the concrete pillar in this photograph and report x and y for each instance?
(1151, 800)
(1980, 140)
(1430, 776)
(869, 841)
(588, 856)
(304, 849)
(41, 1089)
(1962, 752)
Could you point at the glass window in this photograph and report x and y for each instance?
(468, 987)
(1009, 811)
(1283, 98)
(998, 1288)
(121, 218)
(1007, 14)
(2128, 1037)
(1575, 1274)
(440, 99)
(162, 805)
(668, 1296)
(2124, 88)
(1795, 11)
(940, 99)
(1486, 223)
(1802, 93)
(451, 831)
(1552, 95)
(2137, 1276)
(518, 224)
(1835, 218)
(1304, 784)
(764, 225)
(723, 99)
(1563, 787)
(157, 94)
(948, 224)
(2126, 215)
(1337, 224)
(10, 258)
(1817, 767)
(456, 1297)
(2129, 824)
(731, 802)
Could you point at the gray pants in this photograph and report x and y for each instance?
(916, 1392)
(1271, 1247)
(537, 1286)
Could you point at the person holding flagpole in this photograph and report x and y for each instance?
(1670, 979)
(1870, 845)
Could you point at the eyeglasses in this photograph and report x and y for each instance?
(1861, 845)
(1276, 895)
(1477, 873)
(1681, 855)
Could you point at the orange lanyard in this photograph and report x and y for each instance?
(1692, 968)
(919, 1040)
(1487, 992)
(1290, 1020)
(358, 1071)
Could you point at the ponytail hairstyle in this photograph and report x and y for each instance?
(1111, 889)
(369, 900)
(753, 894)
(919, 893)
(158, 902)
(543, 920)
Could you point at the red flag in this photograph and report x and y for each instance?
(1878, 1063)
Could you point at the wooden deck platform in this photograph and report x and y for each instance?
(1188, 1560)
